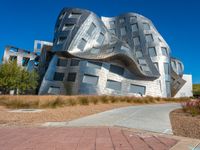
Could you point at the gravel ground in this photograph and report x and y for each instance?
(50, 115)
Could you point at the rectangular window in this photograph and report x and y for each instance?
(91, 29)
(117, 70)
(62, 62)
(142, 61)
(145, 68)
(94, 51)
(13, 58)
(138, 54)
(164, 51)
(112, 31)
(137, 89)
(74, 15)
(136, 41)
(25, 61)
(61, 40)
(100, 38)
(74, 62)
(166, 68)
(124, 48)
(62, 15)
(13, 49)
(54, 90)
(133, 18)
(173, 65)
(152, 51)
(122, 20)
(168, 88)
(149, 37)
(90, 79)
(134, 27)
(156, 65)
(94, 64)
(68, 27)
(115, 85)
(123, 31)
(58, 76)
(146, 26)
(71, 77)
(82, 44)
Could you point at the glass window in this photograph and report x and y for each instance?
(54, 90)
(121, 20)
(82, 44)
(133, 18)
(74, 62)
(94, 64)
(173, 65)
(62, 15)
(137, 89)
(25, 61)
(145, 68)
(13, 49)
(168, 88)
(138, 54)
(136, 41)
(71, 77)
(115, 85)
(146, 26)
(58, 76)
(61, 40)
(142, 61)
(62, 62)
(112, 31)
(166, 68)
(124, 48)
(152, 51)
(134, 27)
(13, 58)
(95, 51)
(100, 38)
(149, 37)
(90, 79)
(91, 29)
(116, 69)
(112, 23)
(156, 65)
(75, 15)
(123, 31)
(179, 68)
(164, 51)
(67, 27)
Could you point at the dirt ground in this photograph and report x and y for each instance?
(49, 115)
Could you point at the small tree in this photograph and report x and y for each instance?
(14, 77)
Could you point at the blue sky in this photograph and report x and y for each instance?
(178, 21)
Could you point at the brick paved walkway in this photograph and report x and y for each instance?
(80, 139)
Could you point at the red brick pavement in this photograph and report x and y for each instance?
(102, 138)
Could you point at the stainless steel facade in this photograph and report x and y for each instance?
(123, 55)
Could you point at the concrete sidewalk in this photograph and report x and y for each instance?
(91, 138)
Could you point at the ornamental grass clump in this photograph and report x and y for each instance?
(192, 107)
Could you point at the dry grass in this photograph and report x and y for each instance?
(34, 101)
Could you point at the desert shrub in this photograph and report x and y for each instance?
(94, 100)
(192, 107)
(53, 103)
(83, 100)
(71, 102)
(104, 99)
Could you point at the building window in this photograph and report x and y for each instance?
(112, 23)
(164, 51)
(74, 15)
(173, 65)
(124, 48)
(149, 37)
(62, 15)
(71, 77)
(145, 68)
(168, 88)
(13, 58)
(137, 89)
(112, 31)
(115, 85)
(74, 62)
(123, 31)
(100, 38)
(62, 62)
(152, 51)
(146, 26)
(180, 68)
(116, 69)
(136, 41)
(134, 27)
(67, 27)
(58, 76)
(94, 51)
(54, 90)
(166, 68)
(133, 18)
(90, 79)
(121, 20)
(91, 29)
(13, 49)
(94, 64)
(61, 40)
(25, 61)
(156, 65)
(138, 54)
(82, 44)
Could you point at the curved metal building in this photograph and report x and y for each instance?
(123, 55)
